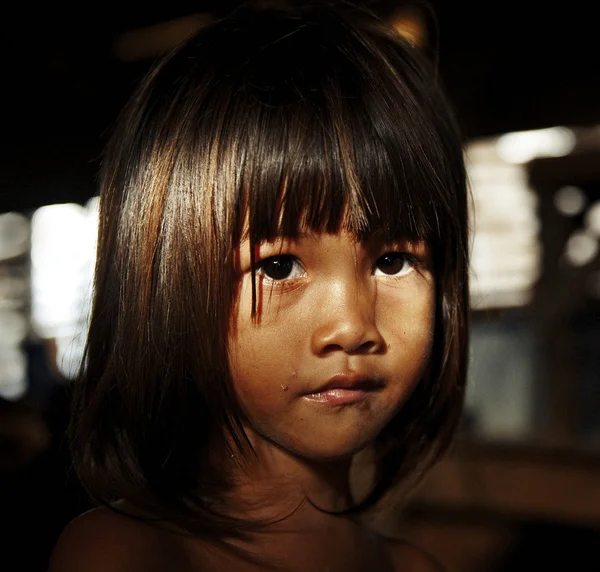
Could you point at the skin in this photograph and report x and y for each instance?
(327, 305)
(330, 306)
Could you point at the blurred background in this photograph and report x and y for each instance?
(521, 487)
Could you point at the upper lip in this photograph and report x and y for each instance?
(350, 380)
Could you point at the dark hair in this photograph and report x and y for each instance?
(311, 116)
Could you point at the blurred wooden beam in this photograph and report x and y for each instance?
(525, 483)
(152, 41)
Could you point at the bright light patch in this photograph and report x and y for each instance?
(581, 249)
(14, 303)
(63, 247)
(505, 251)
(13, 373)
(14, 235)
(570, 200)
(524, 146)
(592, 219)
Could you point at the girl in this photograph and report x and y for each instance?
(279, 329)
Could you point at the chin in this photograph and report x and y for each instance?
(323, 450)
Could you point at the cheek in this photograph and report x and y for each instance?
(422, 334)
(409, 331)
(420, 330)
(256, 366)
(263, 348)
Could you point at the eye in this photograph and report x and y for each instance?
(278, 268)
(394, 264)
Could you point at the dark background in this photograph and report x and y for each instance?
(507, 65)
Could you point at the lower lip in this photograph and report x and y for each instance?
(338, 396)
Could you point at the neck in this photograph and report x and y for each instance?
(272, 482)
(291, 500)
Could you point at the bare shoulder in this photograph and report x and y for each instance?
(407, 556)
(103, 539)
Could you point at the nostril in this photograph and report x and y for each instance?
(331, 348)
(364, 348)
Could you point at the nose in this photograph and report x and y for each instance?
(346, 321)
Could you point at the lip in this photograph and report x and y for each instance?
(345, 389)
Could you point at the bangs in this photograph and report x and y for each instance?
(315, 127)
(355, 172)
(342, 143)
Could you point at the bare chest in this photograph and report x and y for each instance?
(314, 552)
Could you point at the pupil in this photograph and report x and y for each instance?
(278, 268)
(391, 263)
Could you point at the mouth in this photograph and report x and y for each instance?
(345, 389)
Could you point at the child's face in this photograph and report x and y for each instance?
(342, 335)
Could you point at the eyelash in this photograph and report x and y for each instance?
(287, 259)
(260, 267)
(406, 258)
